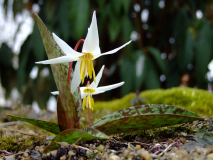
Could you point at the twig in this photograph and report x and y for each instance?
(155, 146)
(4, 151)
(157, 152)
(142, 143)
(11, 123)
(168, 148)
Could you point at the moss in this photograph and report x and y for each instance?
(115, 104)
(16, 143)
(195, 100)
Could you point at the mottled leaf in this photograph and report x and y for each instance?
(71, 103)
(95, 132)
(48, 126)
(72, 135)
(62, 123)
(144, 117)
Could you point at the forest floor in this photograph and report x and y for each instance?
(188, 141)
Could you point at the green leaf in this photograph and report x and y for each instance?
(71, 102)
(185, 50)
(38, 49)
(152, 77)
(144, 117)
(62, 121)
(72, 135)
(48, 126)
(203, 52)
(6, 55)
(79, 14)
(141, 70)
(114, 28)
(181, 22)
(157, 56)
(127, 68)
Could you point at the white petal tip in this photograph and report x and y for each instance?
(55, 93)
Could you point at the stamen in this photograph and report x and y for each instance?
(86, 67)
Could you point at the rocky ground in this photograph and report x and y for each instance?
(190, 141)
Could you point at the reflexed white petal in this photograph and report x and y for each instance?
(91, 43)
(110, 87)
(98, 77)
(112, 51)
(76, 77)
(65, 47)
(82, 92)
(62, 59)
(210, 66)
(97, 92)
(55, 93)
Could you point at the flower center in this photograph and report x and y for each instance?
(86, 67)
(89, 90)
(88, 100)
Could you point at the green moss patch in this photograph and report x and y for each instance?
(195, 100)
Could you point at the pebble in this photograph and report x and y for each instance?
(145, 155)
(26, 154)
(64, 145)
(209, 156)
(71, 153)
(137, 147)
(12, 157)
(63, 157)
(114, 157)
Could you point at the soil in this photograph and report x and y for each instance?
(180, 142)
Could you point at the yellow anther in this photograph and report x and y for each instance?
(89, 102)
(86, 67)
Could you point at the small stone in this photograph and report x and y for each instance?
(95, 151)
(35, 155)
(209, 156)
(75, 146)
(12, 157)
(64, 144)
(53, 153)
(63, 157)
(26, 154)
(126, 152)
(181, 152)
(137, 147)
(31, 132)
(100, 148)
(145, 155)
(40, 148)
(131, 155)
(71, 153)
(114, 157)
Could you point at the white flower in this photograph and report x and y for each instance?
(93, 89)
(90, 51)
(210, 73)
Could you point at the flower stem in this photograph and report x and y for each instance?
(89, 114)
(70, 64)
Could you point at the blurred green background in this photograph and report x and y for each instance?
(171, 38)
